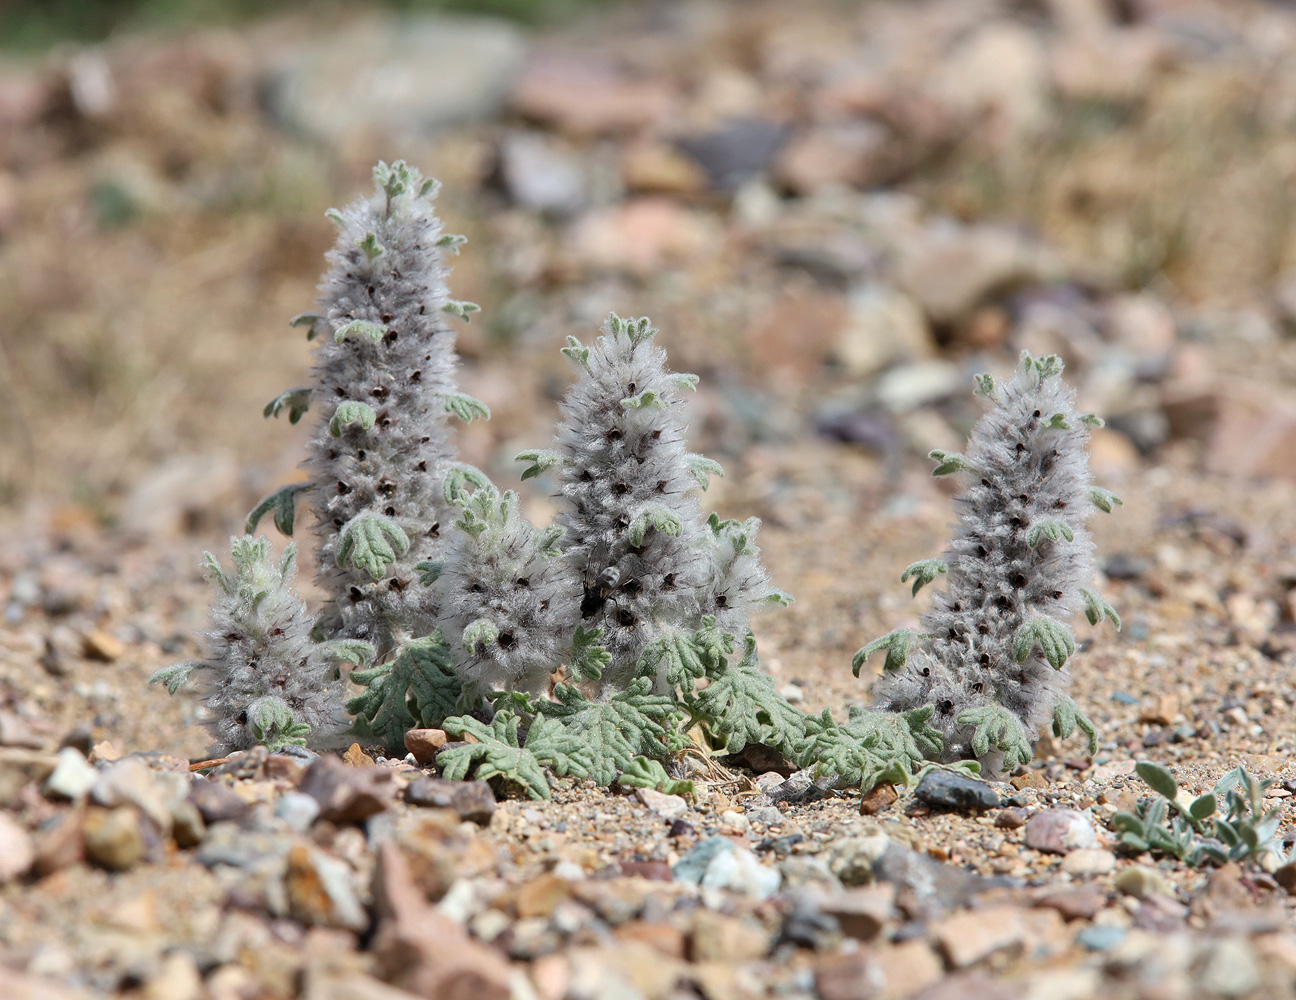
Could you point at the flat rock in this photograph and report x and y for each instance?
(852, 975)
(217, 802)
(17, 852)
(665, 806)
(397, 76)
(720, 938)
(472, 800)
(968, 938)
(1141, 882)
(951, 791)
(1089, 861)
(348, 794)
(425, 744)
(1074, 904)
(862, 912)
(73, 776)
(1060, 831)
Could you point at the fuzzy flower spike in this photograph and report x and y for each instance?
(991, 656)
(384, 388)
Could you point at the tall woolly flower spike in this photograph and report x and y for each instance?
(383, 389)
(506, 598)
(264, 679)
(634, 530)
(991, 653)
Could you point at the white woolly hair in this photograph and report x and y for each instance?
(1031, 466)
(738, 584)
(622, 444)
(259, 648)
(397, 466)
(505, 585)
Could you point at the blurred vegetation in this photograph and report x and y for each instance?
(32, 25)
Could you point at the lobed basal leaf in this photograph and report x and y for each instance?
(371, 542)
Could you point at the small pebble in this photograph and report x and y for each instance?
(1059, 831)
(949, 790)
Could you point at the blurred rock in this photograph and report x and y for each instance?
(586, 97)
(1088, 861)
(950, 269)
(1059, 831)
(15, 731)
(17, 852)
(320, 890)
(396, 76)
(116, 839)
(180, 495)
(861, 913)
(883, 325)
(471, 800)
(656, 168)
(1143, 325)
(18, 767)
(1104, 65)
(640, 236)
(73, 777)
(736, 152)
(348, 794)
(538, 173)
(720, 864)
(999, 71)
(856, 153)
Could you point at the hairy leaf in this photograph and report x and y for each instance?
(923, 572)
(175, 676)
(283, 502)
(540, 461)
(588, 658)
(1056, 641)
(948, 462)
(497, 754)
(370, 245)
(463, 310)
(295, 401)
(1066, 717)
(1104, 500)
(466, 408)
(418, 689)
(998, 729)
(702, 469)
(348, 412)
(743, 705)
(653, 515)
(371, 543)
(1097, 608)
(359, 329)
(644, 772)
(895, 643)
(1051, 528)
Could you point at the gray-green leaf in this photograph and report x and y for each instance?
(295, 401)
(653, 516)
(466, 408)
(283, 502)
(948, 462)
(541, 460)
(1103, 499)
(351, 411)
(1051, 528)
(895, 643)
(359, 329)
(1097, 608)
(923, 572)
(1055, 640)
(371, 542)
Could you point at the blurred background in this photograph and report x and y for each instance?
(836, 212)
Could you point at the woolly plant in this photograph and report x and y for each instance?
(383, 387)
(990, 656)
(507, 612)
(264, 679)
(649, 567)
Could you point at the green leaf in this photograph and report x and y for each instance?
(683, 380)
(587, 658)
(462, 310)
(865, 755)
(466, 408)
(336, 217)
(451, 242)
(295, 401)
(1056, 641)
(429, 189)
(175, 676)
(459, 477)
(1202, 807)
(577, 352)
(646, 773)
(647, 398)
(1092, 420)
(638, 330)
(416, 690)
(1097, 608)
(998, 729)
(547, 541)
(283, 502)
(1158, 778)
(653, 515)
(359, 329)
(1104, 500)
(271, 723)
(371, 247)
(1057, 422)
(348, 412)
(1051, 528)
(948, 462)
(702, 469)
(681, 656)
(985, 386)
(310, 320)
(613, 730)
(927, 738)
(923, 572)
(895, 643)
(371, 543)
(540, 461)
(1047, 366)
(355, 651)
(480, 631)
(780, 597)
(429, 571)
(1066, 717)
(497, 754)
(743, 705)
